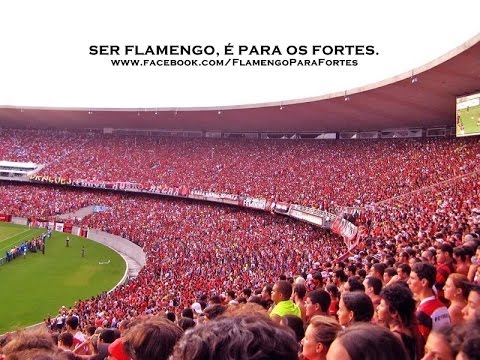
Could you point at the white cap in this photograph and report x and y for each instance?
(197, 307)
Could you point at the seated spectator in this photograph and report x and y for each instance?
(238, 337)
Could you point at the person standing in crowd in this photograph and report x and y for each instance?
(397, 312)
(320, 334)
(355, 306)
(281, 294)
(456, 291)
(317, 302)
(431, 313)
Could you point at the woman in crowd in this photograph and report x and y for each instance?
(367, 342)
(320, 334)
(354, 307)
(456, 291)
(396, 311)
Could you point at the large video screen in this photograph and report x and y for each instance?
(468, 115)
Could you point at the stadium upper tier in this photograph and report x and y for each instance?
(421, 98)
(311, 173)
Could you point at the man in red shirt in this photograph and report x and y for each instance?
(431, 312)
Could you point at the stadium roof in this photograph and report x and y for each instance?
(422, 98)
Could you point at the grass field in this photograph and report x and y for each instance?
(39, 285)
(469, 119)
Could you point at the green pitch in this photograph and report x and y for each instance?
(470, 118)
(37, 286)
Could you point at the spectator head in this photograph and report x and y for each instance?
(377, 270)
(367, 341)
(65, 340)
(317, 302)
(439, 344)
(187, 312)
(396, 305)
(153, 338)
(353, 284)
(171, 316)
(211, 312)
(456, 287)
(282, 290)
(108, 336)
(472, 308)
(389, 273)
(422, 277)
(373, 285)
(355, 307)
(267, 292)
(186, 323)
(238, 337)
(444, 253)
(247, 292)
(403, 272)
(317, 279)
(299, 291)
(72, 323)
(26, 342)
(320, 334)
(197, 308)
(296, 324)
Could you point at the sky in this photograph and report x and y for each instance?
(45, 57)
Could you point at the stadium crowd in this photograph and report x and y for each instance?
(242, 278)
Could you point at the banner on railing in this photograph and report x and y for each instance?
(344, 228)
(310, 218)
(59, 226)
(254, 203)
(5, 218)
(215, 197)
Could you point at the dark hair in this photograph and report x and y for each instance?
(238, 337)
(379, 268)
(187, 312)
(72, 321)
(296, 324)
(66, 338)
(186, 323)
(152, 338)
(213, 311)
(333, 289)
(247, 292)
(215, 299)
(362, 273)
(320, 297)
(390, 271)
(171, 316)
(405, 268)
(460, 252)
(108, 336)
(300, 290)
(371, 342)
(446, 248)
(425, 270)
(400, 299)
(231, 294)
(374, 283)
(360, 304)
(355, 284)
(284, 288)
